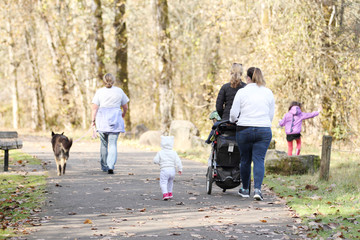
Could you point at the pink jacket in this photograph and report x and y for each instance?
(293, 120)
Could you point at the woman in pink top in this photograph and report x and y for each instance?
(292, 122)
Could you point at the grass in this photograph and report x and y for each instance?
(16, 157)
(329, 208)
(20, 196)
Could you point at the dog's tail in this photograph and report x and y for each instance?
(66, 145)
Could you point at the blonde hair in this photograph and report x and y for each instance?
(236, 73)
(256, 76)
(109, 80)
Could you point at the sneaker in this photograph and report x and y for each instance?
(257, 195)
(244, 193)
(110, 171)
(165, 196)
(170, 195)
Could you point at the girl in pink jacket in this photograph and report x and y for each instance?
(292, 122)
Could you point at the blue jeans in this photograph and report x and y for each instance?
(108, 150)
(253, 143)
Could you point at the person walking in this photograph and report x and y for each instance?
(292, 121)
(227, 92)
(109, 106)
(253, 111)
(168, 160)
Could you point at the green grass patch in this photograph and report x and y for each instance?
(20, 196)
(16, 157)
(329, 208)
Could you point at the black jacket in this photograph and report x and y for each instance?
(225, 99)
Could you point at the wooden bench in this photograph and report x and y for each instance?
(8, 141)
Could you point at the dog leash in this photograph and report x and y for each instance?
(93, 136)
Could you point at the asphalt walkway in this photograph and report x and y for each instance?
(87, 203)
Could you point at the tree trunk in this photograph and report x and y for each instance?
(99, 39)
(62, 85)
(121, 57)
(39, 111)
(213, 71)
(13, 76)
(165, 65)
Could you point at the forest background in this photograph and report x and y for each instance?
(172, 57)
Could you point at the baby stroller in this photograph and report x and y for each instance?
(225, 159)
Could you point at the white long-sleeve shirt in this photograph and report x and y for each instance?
(253, 106)
(167, 157)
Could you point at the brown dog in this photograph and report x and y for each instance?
(61, 146)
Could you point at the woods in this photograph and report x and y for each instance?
(171, 58)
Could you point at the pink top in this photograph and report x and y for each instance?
(293, 120)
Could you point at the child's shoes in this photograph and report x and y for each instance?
(170, 195)
(165, 196)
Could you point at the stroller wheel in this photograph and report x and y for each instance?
(209, 180)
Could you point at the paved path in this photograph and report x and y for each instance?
(87, 203)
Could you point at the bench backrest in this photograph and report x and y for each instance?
(10, 134)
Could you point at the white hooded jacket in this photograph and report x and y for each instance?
(167, 157)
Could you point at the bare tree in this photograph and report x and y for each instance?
(14, 64)
(38, 109)
(99, 39)
(121, 52)
(165, 64)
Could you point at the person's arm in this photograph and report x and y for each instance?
(178, 163)
(124, 110)
(272, 107)
(282, 121)
(95, 109)
(220, 102)
(235, 108)
(309, 115)
(157, 158)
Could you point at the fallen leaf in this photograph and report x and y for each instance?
(173, 234)
(88, 221)
(311, 187)
(315, 197)
(263, 220)
(338, 235)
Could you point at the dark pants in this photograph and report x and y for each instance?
(253, 143)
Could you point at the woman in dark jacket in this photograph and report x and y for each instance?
(227, 92)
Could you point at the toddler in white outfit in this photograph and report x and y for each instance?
(168, 160)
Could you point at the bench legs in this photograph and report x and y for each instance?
(6, 160)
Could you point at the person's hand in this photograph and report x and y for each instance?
(179, 172)
(319, 109)
(94, 134)
(123, 115)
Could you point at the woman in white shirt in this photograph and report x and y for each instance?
(253, 111)
(108, 118)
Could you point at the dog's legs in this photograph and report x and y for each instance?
(63, 165)
(58, 167)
